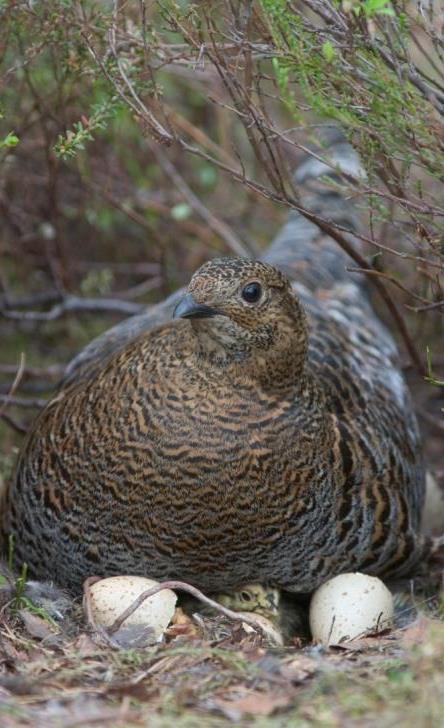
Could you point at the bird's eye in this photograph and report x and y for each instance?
(252, 292)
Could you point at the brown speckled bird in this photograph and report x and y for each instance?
(265, 435)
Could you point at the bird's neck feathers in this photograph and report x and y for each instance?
(273, 353)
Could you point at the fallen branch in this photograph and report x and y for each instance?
(183, 586)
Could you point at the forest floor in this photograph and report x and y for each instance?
(214, 673)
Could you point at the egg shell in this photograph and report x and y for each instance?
(350, 606)
(110, 597)
(272, 633)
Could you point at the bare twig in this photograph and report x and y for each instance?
(428, 307)
(37, 299)
(158, 131)
(74, 304)
(328, 228)
(183, 586)
(51, 372)
(7, 400)
(394, 281)
(432, 420)
(13, 424)
(219, 227)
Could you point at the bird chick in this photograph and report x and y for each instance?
(287, 614)
(253, 598)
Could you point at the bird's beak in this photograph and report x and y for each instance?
(189, 308)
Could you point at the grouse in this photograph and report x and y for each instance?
(264, 434)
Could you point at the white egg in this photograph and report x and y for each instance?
(110, 597)
(350, 606)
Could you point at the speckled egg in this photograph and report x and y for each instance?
(350, 606)
(110, 597)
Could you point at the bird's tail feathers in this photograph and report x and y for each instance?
(305, 252)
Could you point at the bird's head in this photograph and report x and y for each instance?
(241, 308)
(257, 598)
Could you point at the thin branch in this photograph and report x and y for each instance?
(428, 307)
(36, 299)
(51, 372)
(73, 304)
(189, 226)
(13, 424)
(158, 131)
(141, 289)
(268, 194)
(330, 230)
(391, 279)
(183, 586)
(219, 227)
(7, 401)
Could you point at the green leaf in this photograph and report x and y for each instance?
(430, 375)
(328, 51)
(208, 176)
(380, 7)
(282, 74)
(181, 211)
(10, 140)
(275, 64)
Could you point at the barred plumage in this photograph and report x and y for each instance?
(269, 441)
